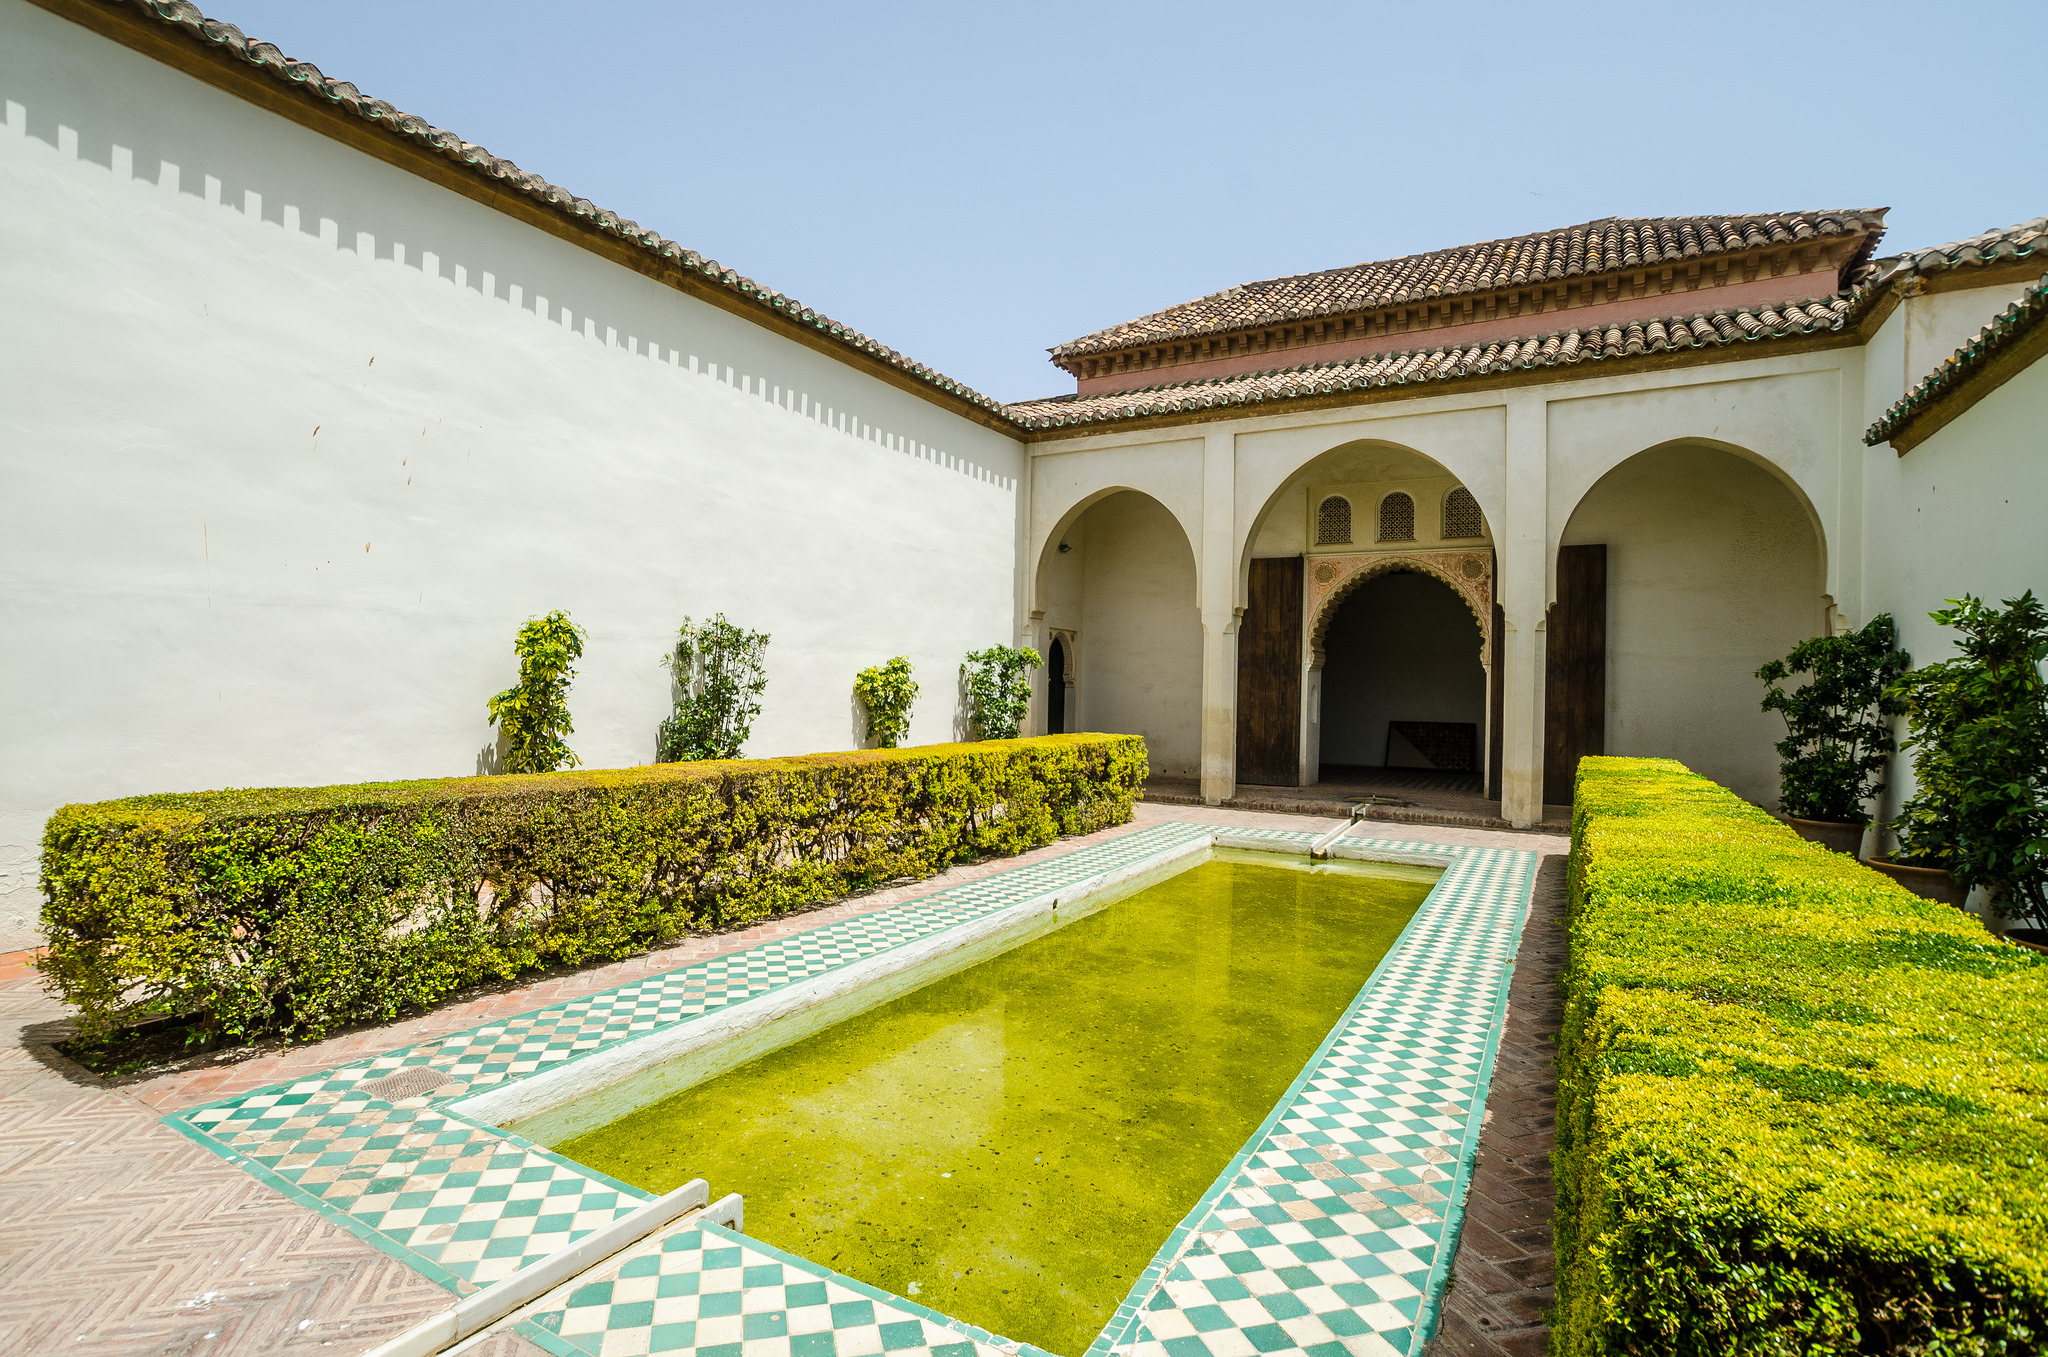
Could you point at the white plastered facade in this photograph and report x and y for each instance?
(235, 550)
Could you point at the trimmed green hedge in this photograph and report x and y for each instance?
(297, 909)
(1799, 1110)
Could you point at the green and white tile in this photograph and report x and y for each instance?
(1332, 1227)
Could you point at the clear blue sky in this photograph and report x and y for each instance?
(973, 183)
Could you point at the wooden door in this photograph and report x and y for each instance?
(1269, 676)
(1575, 669)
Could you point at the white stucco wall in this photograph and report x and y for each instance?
(1401, 647)
(1141, 631)
(294, 441)
(1712, 569)
(1961, 513)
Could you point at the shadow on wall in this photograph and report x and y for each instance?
(333, 198)
(1713, 569)
(963, 708)
(1142, 666)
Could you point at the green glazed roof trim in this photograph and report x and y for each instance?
(2002, 333)
(1702, 330)
(1999, 244)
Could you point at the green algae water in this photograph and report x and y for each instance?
(1012, 1143)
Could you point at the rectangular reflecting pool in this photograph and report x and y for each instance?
(1010, 1143)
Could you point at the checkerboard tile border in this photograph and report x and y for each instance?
(467, 1203)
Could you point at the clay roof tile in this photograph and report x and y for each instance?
(1547, 256)
(1821, 314)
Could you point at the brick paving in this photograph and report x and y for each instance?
(124, 1237)
(1504, 1273)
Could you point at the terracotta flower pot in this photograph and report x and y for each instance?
(1840, 836)
(1930, 883)
(2033, 939)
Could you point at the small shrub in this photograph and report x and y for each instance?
(1836, 740)
(887, 692)
(298, 909)
(999, 689)
(1800, 1111)
(532, 716)
(718, 668)
(1978, 731)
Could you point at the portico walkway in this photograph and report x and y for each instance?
(1411, 796)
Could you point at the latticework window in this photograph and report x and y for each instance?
(1333, 522)
(1461, 515)
(1397, 518)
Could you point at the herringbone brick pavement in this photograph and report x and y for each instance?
(121, 1236)
(1504, 1273)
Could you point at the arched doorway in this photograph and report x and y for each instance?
(1339, 522)
(1403, 689)
(1120, 574)
(1712, 566)
(1056, 688)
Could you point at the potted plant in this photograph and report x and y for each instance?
(1836, 738)
(1978, 729)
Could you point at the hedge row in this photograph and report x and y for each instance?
(1799, 1110)
(296, 909)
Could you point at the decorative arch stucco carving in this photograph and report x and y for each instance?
(1332, 578)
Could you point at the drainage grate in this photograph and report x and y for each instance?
(406, 1083)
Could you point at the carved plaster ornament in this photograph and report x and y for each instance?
(1469, 574)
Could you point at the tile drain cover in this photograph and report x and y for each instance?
(406, 1083)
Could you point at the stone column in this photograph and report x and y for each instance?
(1524, 582)
(1033, 637)
(1216, 589)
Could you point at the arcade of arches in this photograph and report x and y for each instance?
(1368, 640)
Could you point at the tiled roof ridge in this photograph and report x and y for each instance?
(1996, 245)
(1581, 250)
(186, 16)
(1702, 329)
(2004, 330)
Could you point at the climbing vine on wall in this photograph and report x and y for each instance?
(718, 668)
(998, 682)
(888, 692)
(532, 716)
